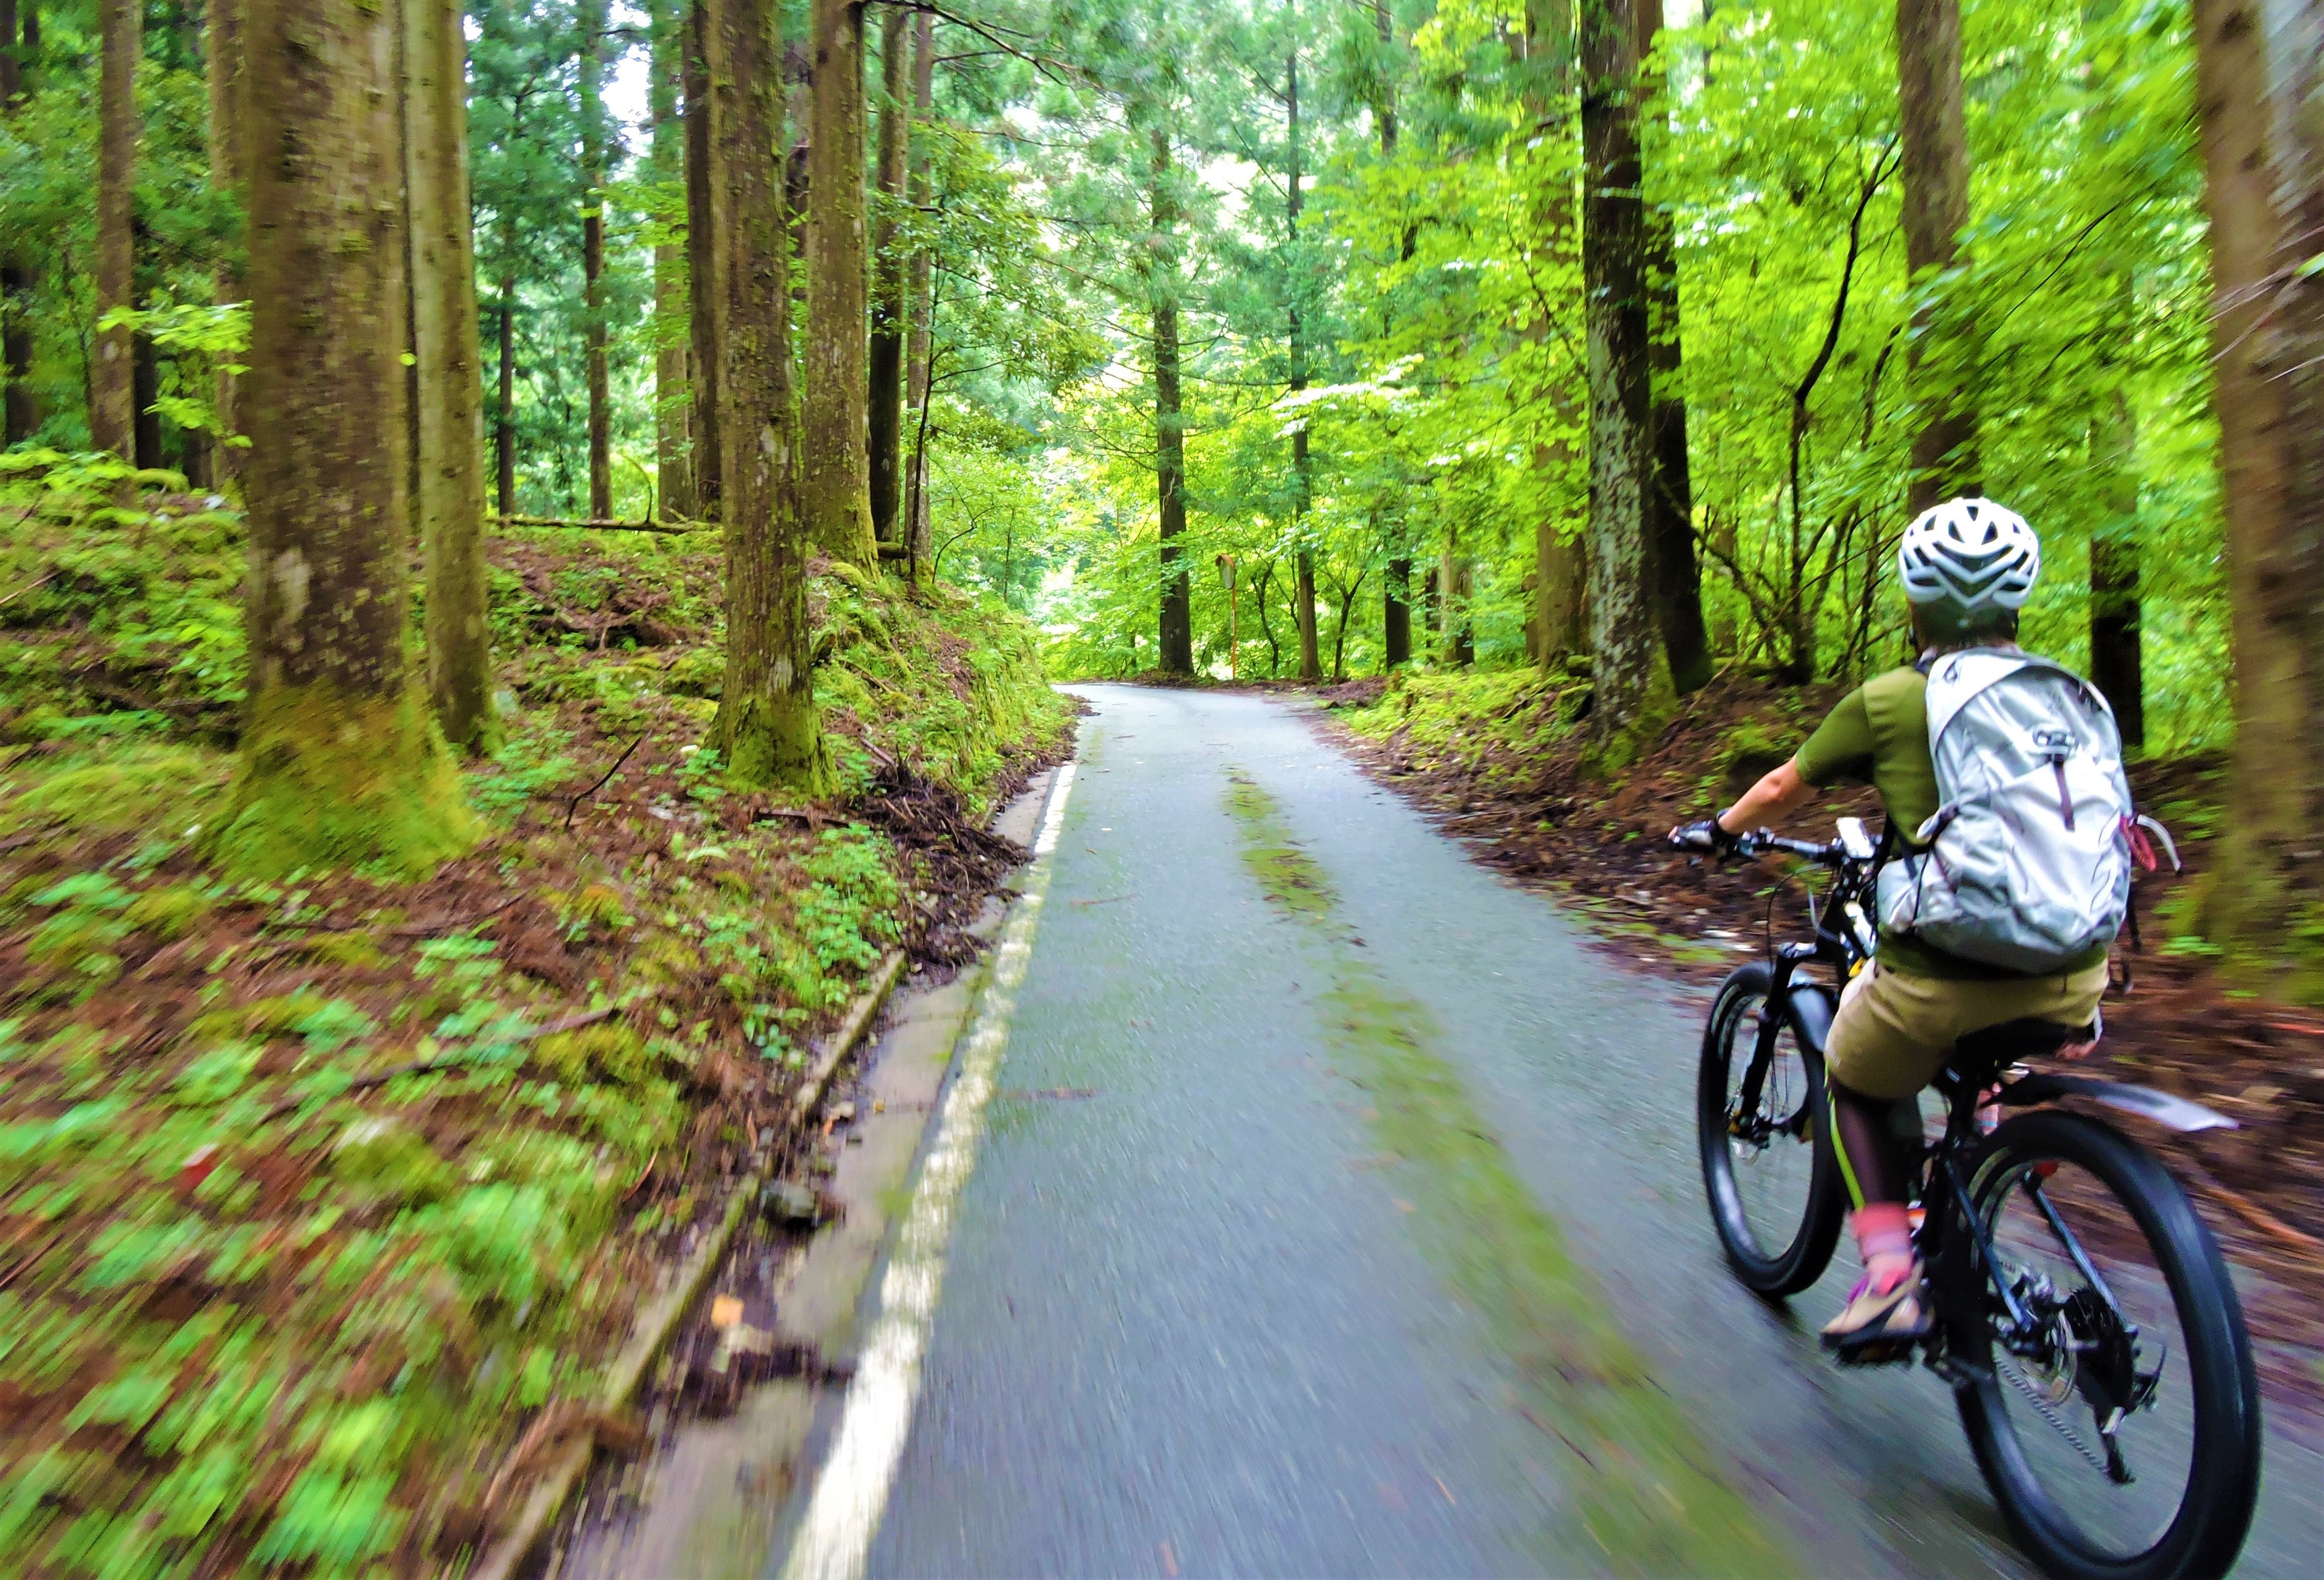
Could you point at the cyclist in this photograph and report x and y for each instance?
(1966, 566)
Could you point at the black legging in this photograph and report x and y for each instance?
(1869, 1138)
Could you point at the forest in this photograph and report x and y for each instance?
(1610, 338)
(639, 464)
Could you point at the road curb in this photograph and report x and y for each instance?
(660, 1322)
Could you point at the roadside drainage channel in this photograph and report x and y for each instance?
(737, 1400)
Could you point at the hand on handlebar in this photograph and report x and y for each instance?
(1709, 837)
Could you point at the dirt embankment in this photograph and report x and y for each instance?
(1495, 760)
(324, 1204)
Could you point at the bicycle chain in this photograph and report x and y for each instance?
(2051, 1416)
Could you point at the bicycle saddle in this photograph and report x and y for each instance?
(1980, 1053)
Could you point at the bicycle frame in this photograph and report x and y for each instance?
(1955, 1243)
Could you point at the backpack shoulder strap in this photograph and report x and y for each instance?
(1956, 678)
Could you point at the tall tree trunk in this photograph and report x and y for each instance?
(1311, 665)
(2116, 666)
(112, 376)
(1395, 615)
(20, 406)
(224, 47)
(673, 381)
(340, 763)
(1623, 649)
(1177, 614)
(2265, 197)
(1396, 610)
(1940, 356)
(448, 501)
(923, 310)
(1560, 556)
(504, 414)
(2115, 657)
(144, 390)
(1670, 496)
(888, 300)
(766, 723)
(705, 268)
(835, 483)
(593, 257)
(1456, 583)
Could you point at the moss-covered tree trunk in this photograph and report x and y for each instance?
(889, 310)
(111, 372)
(340, 763)
(1941, 357)
(593, 258)
(835, 482)
(1622, 628)
(705, 271)
(2265, 197)
(449, 496)
(923, 298)
(766, 723)
(222, 48)
(673, 381)
(1176, 623)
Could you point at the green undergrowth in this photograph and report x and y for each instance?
(319, 1193)
(1644, 1491)
(1490, 722)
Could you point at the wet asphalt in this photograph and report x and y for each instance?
(1188, 1328)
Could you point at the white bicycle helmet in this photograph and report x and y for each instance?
(1968, 563)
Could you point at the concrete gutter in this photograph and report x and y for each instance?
(659, 1323)
(712, 1499)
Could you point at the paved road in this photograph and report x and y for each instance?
(1216, 1316)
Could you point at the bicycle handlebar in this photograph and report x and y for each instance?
(1760, 841)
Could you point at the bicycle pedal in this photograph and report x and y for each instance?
(1875, 1353)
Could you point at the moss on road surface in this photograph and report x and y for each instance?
(1644, 1489)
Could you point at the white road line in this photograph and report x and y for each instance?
(852, 1493)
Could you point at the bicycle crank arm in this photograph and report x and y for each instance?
(2174, 1113)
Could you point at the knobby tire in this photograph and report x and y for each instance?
(1777, 1271)
(2222, 1489)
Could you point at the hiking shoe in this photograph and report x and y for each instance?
(1884, 1327)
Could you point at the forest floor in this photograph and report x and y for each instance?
(1494, 758)
(324, 1204)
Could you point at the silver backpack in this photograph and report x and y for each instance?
(2027, 862)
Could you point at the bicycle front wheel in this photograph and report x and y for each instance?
(1759, 1097)
(2115, 1411)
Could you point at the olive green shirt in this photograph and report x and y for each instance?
(1878, 735)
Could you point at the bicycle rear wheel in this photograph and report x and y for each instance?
(2118, 1424)
(1759, 1097)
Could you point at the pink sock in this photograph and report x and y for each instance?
(1883, 1240)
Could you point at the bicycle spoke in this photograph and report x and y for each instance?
(2086, 1328)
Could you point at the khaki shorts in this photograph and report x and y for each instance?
(1894, 1030)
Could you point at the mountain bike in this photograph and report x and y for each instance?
(2082, 1313)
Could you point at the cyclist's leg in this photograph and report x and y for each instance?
(1894, 1030)
(1891, 1035)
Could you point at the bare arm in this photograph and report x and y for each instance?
(1765, 803)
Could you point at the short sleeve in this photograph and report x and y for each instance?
(1842, 746)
